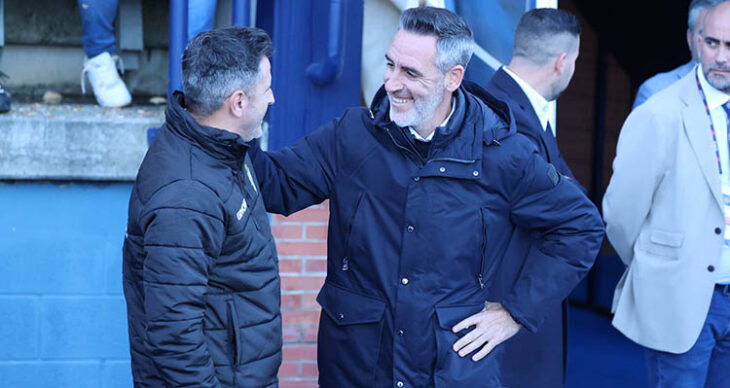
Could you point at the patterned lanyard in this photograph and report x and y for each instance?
(712, 124)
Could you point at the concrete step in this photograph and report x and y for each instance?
(74, 142)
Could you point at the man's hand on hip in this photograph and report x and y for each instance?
(492, 326)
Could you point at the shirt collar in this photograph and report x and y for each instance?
(538, 102)
(443, 124)
(715, 98)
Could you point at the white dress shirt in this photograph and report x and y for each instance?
(542, 107)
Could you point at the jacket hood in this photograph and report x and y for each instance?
(224, 145)
(480, 109)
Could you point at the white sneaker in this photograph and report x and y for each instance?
(109, 88)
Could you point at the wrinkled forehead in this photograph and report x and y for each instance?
(717, 23)
(413, 50)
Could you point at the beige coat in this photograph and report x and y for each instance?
(663, 209)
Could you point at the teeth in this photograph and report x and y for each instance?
(400, 100)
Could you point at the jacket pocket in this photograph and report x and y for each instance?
(452, 370)
(235, 334)
(350, 332)
(348, 232)
(662, 243)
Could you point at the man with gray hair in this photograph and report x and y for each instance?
(543, 61)
(201, 274)
(425, 190)
(695, 20)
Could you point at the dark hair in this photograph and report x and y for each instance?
(541, 34)
(454, 40)
(216, 63)
(694, 10)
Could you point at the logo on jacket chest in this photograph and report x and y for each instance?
(242, 210)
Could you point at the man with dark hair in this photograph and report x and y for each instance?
(546, 47)
(200, 267)
(695, 21)
(426, 189)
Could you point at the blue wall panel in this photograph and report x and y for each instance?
(83, 327)
(41, 374)
(64, 318)
(19, 328)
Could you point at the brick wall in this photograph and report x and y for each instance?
(301, 241)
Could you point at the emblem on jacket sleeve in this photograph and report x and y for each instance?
(242, 210)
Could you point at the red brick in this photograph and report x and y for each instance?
(299, 352)
(302, 248)
(289, 369)
(309, 301)
(308, 334)
(291, 301)
(316, 232)
(312, 214)
(292, 333)
(297, 317)
(298, 384)
(301, 283)
(290, 265)
(315, 265)
(309, 369)
(288, 231)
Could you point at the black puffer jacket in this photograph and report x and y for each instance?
(200, 266)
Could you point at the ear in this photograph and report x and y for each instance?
(237, 103)
(690, 36)
(454, 77)
(560, 62)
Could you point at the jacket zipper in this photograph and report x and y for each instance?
(411, 152)
(480, 276)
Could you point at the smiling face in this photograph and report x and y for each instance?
(714, 48)
(415, 85)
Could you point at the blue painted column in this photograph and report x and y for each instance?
(303, 35)
(178, 40)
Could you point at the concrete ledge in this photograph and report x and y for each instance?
(74, 142)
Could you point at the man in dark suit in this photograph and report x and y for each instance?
(543, 61)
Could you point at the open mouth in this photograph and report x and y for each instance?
(400, 101)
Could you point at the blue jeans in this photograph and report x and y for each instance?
(97, 23)
(707, 363)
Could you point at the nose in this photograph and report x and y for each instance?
(273, 100)
(723, 54)
(392, 81)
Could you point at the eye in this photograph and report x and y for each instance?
(389, 65)
(411, 74)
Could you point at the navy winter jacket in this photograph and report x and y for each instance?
(414, 242)
(200, 266)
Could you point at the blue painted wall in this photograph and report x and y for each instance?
(62, 312)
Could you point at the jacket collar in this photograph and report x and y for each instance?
(478, 118)
(220, 144)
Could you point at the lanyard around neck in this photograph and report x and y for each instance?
(712, 124)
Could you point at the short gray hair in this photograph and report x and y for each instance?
(694, 10)
(454, 40)
(544, 33)
(216, 63)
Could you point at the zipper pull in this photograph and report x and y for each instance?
(345, 264)
(481, 281)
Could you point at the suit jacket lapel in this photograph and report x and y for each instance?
(514, 91)
(696, 125)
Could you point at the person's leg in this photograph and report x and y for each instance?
(201, 15)
(689, 369)
(97, 24)
(718, 375)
